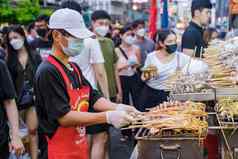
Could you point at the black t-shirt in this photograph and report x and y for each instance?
(40, 44)
(193, 38)
(52, 100)
(2, 53)
(6, 92)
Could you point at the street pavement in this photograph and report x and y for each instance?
(119, 149)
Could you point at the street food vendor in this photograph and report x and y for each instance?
(167, 60)
(65, 101)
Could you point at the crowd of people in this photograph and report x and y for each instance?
(63, 85)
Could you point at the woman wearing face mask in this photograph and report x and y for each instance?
(167, 61)
(22, 63)
(128, 62)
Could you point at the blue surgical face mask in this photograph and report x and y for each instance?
(75, 47)
(102, 30)
(129, 39)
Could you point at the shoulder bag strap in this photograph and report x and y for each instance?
(123, 52)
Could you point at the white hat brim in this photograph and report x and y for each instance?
(82, 33)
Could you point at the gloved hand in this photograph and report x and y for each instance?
(126, 108)
(118, 118)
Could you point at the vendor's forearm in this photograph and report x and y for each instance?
(12, 114)
(103, 105)
(74, 118)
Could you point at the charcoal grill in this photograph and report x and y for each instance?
(167, 146)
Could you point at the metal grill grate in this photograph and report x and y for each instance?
(144, 134)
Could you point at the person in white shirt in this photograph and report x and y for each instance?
(167, 61)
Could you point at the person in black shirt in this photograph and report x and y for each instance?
(192, 39)
(2, 46)
(8, 112)
(42, 43)
(65, 101)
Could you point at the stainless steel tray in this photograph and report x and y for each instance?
(193, 96)
(233, 92)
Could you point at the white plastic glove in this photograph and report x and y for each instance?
(126, 108)
(118, 118)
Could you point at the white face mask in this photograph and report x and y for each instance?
(129, 40)
(141, 32)
(102, 30)
(17, 43)
(74, 48)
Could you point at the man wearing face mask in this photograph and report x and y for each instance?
(100, 26)
(145, 44)
(42, 43)
(64, 97)
(192, 39)
(91, 61)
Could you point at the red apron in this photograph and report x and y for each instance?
(70, 142)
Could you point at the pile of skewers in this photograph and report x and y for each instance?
(228, 51)
(187, 118)
(227, 108)
(217, 69)
(220, 73)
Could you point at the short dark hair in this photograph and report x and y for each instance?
(126, 28)
(42, 17)
(100, 14)
(138, 22)
(162, 34)
(200, 5)
(71, 4)
(5, 30)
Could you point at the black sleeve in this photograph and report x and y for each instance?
(94, 97)
(6, 85)
(2, 54)
(188, 40)
(50, 87)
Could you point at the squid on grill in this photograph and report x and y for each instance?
(188, 118)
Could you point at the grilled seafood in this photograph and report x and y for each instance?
(188, 118)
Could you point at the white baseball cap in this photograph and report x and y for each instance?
(70, 21)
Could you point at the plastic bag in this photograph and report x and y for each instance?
(195, 66)
(134, 154)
